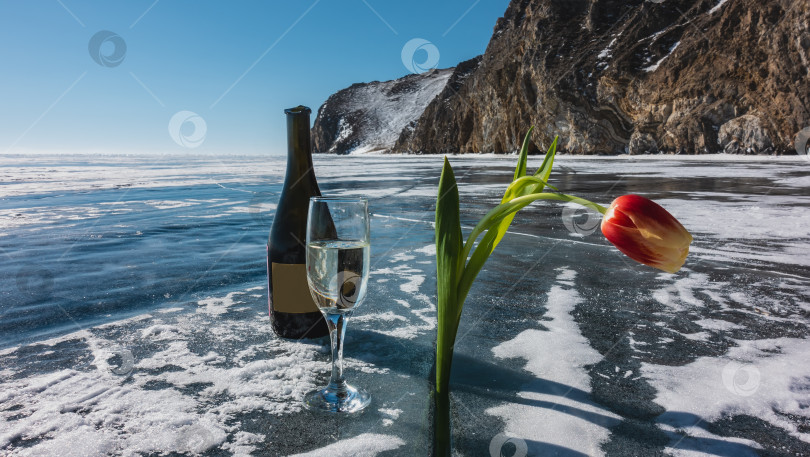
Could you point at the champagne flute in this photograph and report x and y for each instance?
(337, 273)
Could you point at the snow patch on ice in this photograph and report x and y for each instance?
(216, 305)
(386, 316)
(170, 310)
(401, 257)
(393, 413)
(365, 445)
(408, 320)
(768, 379)
(430, 250)
(565, 409)
(243, 443)
(412, 286)
(165, 397)
(389, 415)
(160, 332)
(72, 174)
(168, 204)
(81, 414)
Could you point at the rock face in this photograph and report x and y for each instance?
(368, 117)
(416, 129)
(631, 76)
(608, 77)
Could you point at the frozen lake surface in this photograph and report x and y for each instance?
(134, 313)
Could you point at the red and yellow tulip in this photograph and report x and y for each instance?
(646, 232)
(638, 227)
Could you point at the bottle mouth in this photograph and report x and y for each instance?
(300, 109)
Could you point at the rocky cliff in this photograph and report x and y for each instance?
(368, 117)
(616, 76)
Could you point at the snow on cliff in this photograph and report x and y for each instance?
(369, 117)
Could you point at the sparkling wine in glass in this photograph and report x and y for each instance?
(337, 273)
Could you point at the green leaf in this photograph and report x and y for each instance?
(483, 251)
(524, 186)
(455, 275)
(448, 258)
(523, 157)
(521, 185)
(497, 214)
(545, 169)
(494, 218)
(520, 172)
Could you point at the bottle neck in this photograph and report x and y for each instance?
(299, 148)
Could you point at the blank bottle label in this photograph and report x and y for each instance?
(290, 289)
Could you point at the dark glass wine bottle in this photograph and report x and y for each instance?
(293, 312)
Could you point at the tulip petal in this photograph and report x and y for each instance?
(646, 232)
(617, 217)
(652, 219)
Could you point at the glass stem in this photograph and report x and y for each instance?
(337, 329)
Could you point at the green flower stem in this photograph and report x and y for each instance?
(442, 435)
(456, 269)
(445, 341)
(495, 215)
(467, 273)
(521, 183)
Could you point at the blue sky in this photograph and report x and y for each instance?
(236, 65)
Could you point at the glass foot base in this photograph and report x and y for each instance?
(333, 399)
